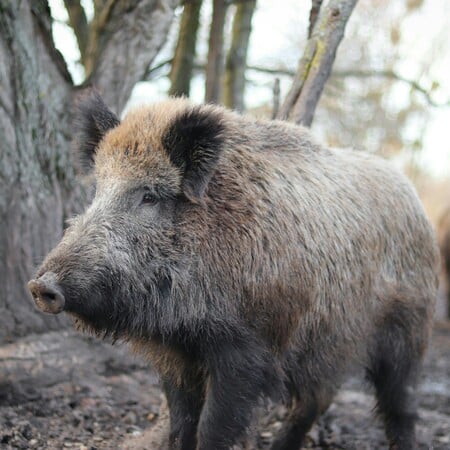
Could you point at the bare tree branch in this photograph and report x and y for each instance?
(395, 76)
(234, 83)
(362, 74)
(149, 73)
(317, 61)
(79, 23)
(280, 71)
(273, 70)
(97, 35)
(42, 16)
(315, 8)
(183, 61)
(215, 60)
(276, 98)
(126, 37)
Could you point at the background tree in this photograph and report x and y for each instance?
(215, 60)
(326, 30)
(234, 82)
(183, 60)
(36, 176)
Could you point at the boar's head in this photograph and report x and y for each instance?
(124, 266)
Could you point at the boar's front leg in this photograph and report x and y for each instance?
(185, 402)
(241, 371)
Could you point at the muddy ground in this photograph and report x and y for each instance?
(62, 390)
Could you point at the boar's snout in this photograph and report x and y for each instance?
(47, 294)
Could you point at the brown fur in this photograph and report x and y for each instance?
(304, 261)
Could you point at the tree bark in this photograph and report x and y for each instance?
(215, 61)
(234, 83)
(126, 37)
(315, 8)
(37, 181)
(34, 169)
(183, 61)
(316, 62)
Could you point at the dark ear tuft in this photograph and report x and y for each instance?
(194, 142)
(92, 119)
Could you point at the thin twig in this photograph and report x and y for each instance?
(363, 73)
(152, 69)
(394, 76)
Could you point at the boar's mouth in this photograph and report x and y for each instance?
(47, 294)
(102, 309)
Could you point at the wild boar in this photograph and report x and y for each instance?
(248, 262)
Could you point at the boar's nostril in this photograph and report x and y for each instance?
(50, 296)
(47, 294)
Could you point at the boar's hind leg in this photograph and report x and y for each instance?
(241, 372)
(185, 403)
(396, 404)
(394, 369)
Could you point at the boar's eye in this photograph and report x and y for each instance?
(148, 198)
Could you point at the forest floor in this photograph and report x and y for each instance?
(62, 390)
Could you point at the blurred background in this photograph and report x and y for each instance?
(389, 92)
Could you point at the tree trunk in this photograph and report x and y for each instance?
(37, 181)
(234, 84)
(131, 34)
(215, 61)
(315, 65)
(183, 60)
(35, 171)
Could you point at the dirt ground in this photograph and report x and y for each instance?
(62, 390)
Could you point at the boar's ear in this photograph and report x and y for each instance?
(92, 119)
(194, 142)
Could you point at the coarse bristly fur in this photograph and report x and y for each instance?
(247, 261)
